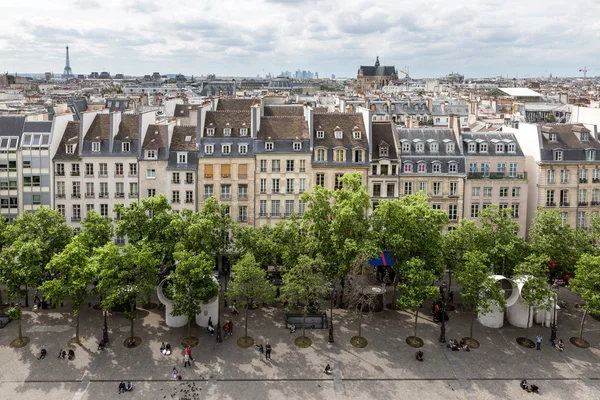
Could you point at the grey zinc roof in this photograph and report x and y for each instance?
(70, 136)
(573, 149)
(11, 125)
(38, 126)
(382, 70)
(442, 136)
(347, 123)
(383, 133)
(491, 139)
(191, 165)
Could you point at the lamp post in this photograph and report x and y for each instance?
(553, 324)
(105, 329)
(331, 316)
(442, 313)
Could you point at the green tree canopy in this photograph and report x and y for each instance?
(586, 283)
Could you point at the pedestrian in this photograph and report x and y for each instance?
(268, 351)
(187, 362)
(261, 351)
(538, 343)
(188, 351)
(328, 369)
(230, 327)
(42, 354)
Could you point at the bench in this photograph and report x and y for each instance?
(313, 321)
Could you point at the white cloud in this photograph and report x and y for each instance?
(238, 37)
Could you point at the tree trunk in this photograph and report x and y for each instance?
(360, 321)
(416, 319)
(20, 331)
(471, 330)
(304, 324)
(581, 326)
(189, 327)
(527, 323)
(394, 289)
(26, 296)
(449, 280)
(77, 326)
(132, 317)
(246, 321)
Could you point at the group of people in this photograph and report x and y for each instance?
(61, 354)
(175, 374)
(529, 388)
(264, 350)
(228, 328)
(165, 349)
(458, 346)
(558, 344)
(125, 387)
(438, 312)
(131, 342)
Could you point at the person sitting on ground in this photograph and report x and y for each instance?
(234, 308)
(560, 345)
(225, 329)
(167, 350)
(162, 346)
(121, 387)
(175, 374)
(62, 353)
(210, 328)
(534, 388)
(327, 369)
(42, 354)
(71, 354)
(131, 342)
(524, 385)
(292, 328)
(129, 386)
(419, 355)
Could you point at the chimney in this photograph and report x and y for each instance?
(430, 104)
(113, 128)
(202, 110)
(367, 103)
(443, 107)
(454, 126)
(368, 121)
(408, 121)
(255, 115)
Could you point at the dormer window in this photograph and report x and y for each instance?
(590, 155)
(472, 148)
(181, 158)
(512, 148)
(269, 146)
(384, 151)
(408, 168)
(558, 155)
(210, 131)
(297, 146)
(483, 148)
(70, 149)
(243, 149)
(499, 148)
(449, 147)
(226, 149)
(95, 147)
(356, 134)
(338, 134)
(422, 168)
(452, 167)
(320, 134)
(151, 154)
(405, 146)
(209, 148)
(227, 132)
(243, 131)
(436, 167)
(552, 137)
(420, 147)
(434, 147)
(126, 147)
(585, 137)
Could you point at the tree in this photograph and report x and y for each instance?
(410, 228)
(127, 275)
(305, 283)
(536, 292)
(15, 313)
(586, 283)
(478, 289)
(257, 241)
(250, 284)
(466, 236)
(192, 284)
(415, 288)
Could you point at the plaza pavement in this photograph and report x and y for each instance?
(385, 369)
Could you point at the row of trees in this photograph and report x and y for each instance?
(331, 242)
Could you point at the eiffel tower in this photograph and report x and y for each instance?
(67, 73)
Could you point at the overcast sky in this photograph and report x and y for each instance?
(245, 38)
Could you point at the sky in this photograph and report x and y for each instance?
(477, 38)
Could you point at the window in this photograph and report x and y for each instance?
(182, 158)
(243, 213)
(297, 146)
(474, 210)
(320, 154)
(263, 165)
(289, 166)
(269, 146)
(301, 208)
(132, 169)
(564, 176)
(485, 169)
(449, 147)
(337, 184)
(263, 185)
(339, 155)
(582, 197)
(503, 192)
(60, 189)
(242, 171)
(74, 169)
(452, 167)
(76, 186)
(391, 190)
(436, 167)
(210, 131)
(289, 207)
(275, 187)
(501, 168)
(377, 190)
(289, 185)
(596, 175)
(406, 146)
(89, 189)
(338, 134)
(434, 147)
(407, 168)
(320, 134)
(437, 188)
(550, 198)
(515, 210)
(118, 169)
(209, 149)
(208, 171)
(243, 149)
(581, 220)
(226, 149)
(453, 188)
(31, 181)
(302, 166)
(225, 192)
(453, 212)
(226, 131)
(225, 170)
(487, 192)
(133, 189)
(275, 165)
(150, 173)
(275, 208)
(499, 148)
(584, 137)
(563, 218)
(151, 154)
(104, 210)
(590, 155)
(583, 176)
(175, 177)
(408, 188)
(595, 197)
(103, 169)
(383, 151)
(436, 206)
(422, 167)
(516, 192)
(472, 167)
(483, 147)
(512, 148)
(243, 131)
(76, 213)
(358, 156)
(175, 196)
(26, 164)
(472, 148)
(420, 147)
(558, 155)
(125, 147)
(512, 170)
(302, 185)
(151, 192)
(242, 192)
(60, 169)
(262, 208)
(475, 191)
(95, 147)
(320, 179)
(423, 186)
(103, 190)
(209, 191)
(70, 149)
(61, 209)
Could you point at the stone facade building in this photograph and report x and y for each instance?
(375, 77)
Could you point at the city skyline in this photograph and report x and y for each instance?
(477, 38)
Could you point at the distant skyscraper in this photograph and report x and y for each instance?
(67, 73)
(316, 75)
(332, 76)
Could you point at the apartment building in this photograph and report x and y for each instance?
(34, 158)
(11, 130)
(183, 168)
(385, 163)
(153, 176)
(226, 166)
(339, 145)
(496, 175)
(432, 162)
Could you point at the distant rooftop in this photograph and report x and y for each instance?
(520, 92)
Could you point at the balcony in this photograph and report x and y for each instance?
(103, 195)
(119, 175)
(102, 174)
(89, 175)
(75, 173)
(595, 203)
(177, 181)
(565, 204)
(119, 195)
(208, 176)
(243, 176)
(242, 196)
(596, 180)
(497, 175)
(75, 219)
(76, 196)
(89, 195)
(189, 182)
(453, 196)
(208, 196)
(59, 173)
(60, 196)
(225, 196)
(550, 204)
(225, 175)
(189, 201)
(133, 195)
(263, 215)
(582, 203)
(132, 174)
(175, 201)
(275, 215)
(243, 219)
(583, 180)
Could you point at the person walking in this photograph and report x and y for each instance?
(261, 351)
(538, 343)
(268, 349)
(188, 351)
(187, 362)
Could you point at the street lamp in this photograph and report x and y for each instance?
(105, 329)
(331, 315)
(219, 339)
(442, 313)
(553, 324)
